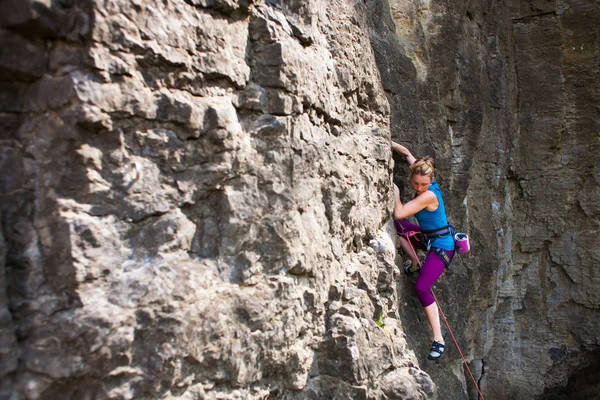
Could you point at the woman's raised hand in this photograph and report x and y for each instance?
(403, 151)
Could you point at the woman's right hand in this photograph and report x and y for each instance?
(398, 148)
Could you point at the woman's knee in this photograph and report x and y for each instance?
(425, 297)
(422, 287)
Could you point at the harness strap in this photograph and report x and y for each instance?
(437, 233)
(444, 256)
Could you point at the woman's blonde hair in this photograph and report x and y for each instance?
(422, 166)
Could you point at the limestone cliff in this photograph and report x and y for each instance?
(506, 97)
(546, 316)
(195, 197)
(190, 191)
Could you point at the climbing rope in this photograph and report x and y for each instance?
(457, 346)
(407, 236)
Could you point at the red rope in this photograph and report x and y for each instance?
(457, 346)
(407, 237)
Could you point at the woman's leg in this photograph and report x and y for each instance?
(431, 312)
(403, 226)
(404, 229)
(430, 272)
(409, 250)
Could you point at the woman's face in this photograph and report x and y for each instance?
(421, 183)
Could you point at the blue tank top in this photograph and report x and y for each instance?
(433, 220)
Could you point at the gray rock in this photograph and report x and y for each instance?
(401, 384)
(196, 199)
(8, 340)
(20, 58)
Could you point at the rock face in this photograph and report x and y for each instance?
(548, 301)
(191, 194)
(505, 95)
(195, 198)
(449, 74)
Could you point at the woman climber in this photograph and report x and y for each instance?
(434, 234)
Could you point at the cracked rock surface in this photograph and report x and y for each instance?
(189, 195)
(195, 197)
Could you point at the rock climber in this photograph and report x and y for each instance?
(436, 236)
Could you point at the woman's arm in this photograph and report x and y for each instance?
(403, 151)
(402, 211)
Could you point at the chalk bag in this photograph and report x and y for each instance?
(462, 243)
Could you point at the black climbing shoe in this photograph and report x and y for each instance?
(409, 268)
(437, 349)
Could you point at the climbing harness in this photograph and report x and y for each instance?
(437, 233)
(443, 255)
(429, 236)
(407, 236)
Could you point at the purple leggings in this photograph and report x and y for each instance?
(432, 268)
